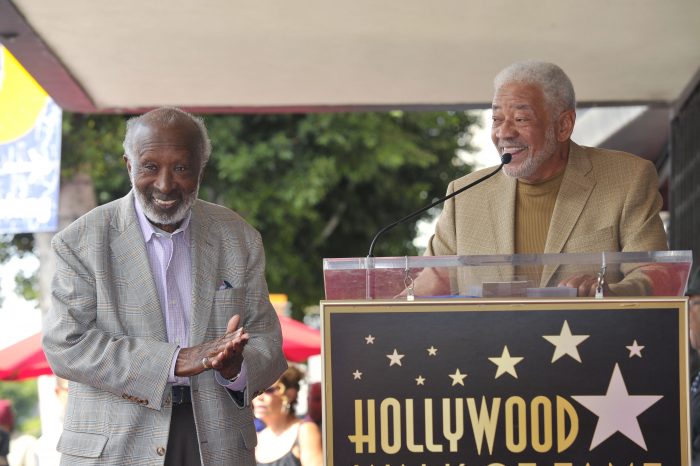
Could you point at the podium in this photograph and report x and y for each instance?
(496, 360)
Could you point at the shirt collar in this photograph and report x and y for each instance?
(148, 229)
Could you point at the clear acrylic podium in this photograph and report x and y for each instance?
(656, 273)
(414, 344)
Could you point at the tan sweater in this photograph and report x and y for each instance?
(534, 204)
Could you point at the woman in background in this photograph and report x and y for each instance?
(286, 440)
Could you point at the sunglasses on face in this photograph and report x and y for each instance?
(272, 390)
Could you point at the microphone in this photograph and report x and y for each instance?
(505, 159)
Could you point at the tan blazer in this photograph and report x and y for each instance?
(106, 334)
(608, 202)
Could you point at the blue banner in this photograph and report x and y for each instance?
(30, 151)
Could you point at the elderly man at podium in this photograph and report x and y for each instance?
(555, 196)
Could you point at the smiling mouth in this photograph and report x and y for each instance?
(164, 204)
(512, 150)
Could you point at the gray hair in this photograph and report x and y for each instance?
(555, 84)
(166, 116)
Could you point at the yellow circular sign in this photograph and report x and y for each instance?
(21, 98)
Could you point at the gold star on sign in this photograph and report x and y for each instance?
(394, 358)
(369, 339)
(432, 351)
(635, 349)
(506, 363)
(457, 378)
(357, 375)
(565, 343)
(420, 380)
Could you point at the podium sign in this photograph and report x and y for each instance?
(482, 382)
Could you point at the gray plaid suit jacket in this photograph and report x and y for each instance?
(106, 334)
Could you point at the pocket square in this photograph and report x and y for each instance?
(224, 285)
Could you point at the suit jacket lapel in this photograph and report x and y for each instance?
(204, 282)
(576, 188)
(501, 202)
(496, 234)
(133, 268)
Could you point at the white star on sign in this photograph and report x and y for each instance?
(565, 343)
(357, 375)
(369, 339)
(457, 378)
(617, 411)
(506, 363)
(635, 349)
(420, 380)
(395, 358)
(432, 351)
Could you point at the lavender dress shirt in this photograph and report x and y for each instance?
(171, 265)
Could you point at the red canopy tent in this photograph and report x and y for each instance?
(299, 341)
(23, 360)
(26, 359)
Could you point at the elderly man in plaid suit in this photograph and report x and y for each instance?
(161, 319)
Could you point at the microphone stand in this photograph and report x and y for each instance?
(369, 262)
(505, 159)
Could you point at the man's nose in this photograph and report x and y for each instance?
(506, 130)
(164, 181)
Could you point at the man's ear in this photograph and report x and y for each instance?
(565, 125)
(128, 165)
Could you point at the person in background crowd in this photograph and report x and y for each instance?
(693, 293)
(286, 439)
(19, 449)
(314, 404)
(6, 422)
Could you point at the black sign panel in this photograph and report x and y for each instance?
(486, 383)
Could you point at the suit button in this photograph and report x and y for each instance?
(160, 451)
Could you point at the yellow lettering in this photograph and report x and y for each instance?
(565, 410)
(483, 422)
(360, 437)
(541, 438)
(512, 404)
(410, 442)
(453, 437)
(432, 446)
(393, 405)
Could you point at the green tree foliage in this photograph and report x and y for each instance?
(24, 405)
(315, 185)
(92, 144)
(321, 185)
(18, 246)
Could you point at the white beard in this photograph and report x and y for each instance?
(533, 162)
(153, 213)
